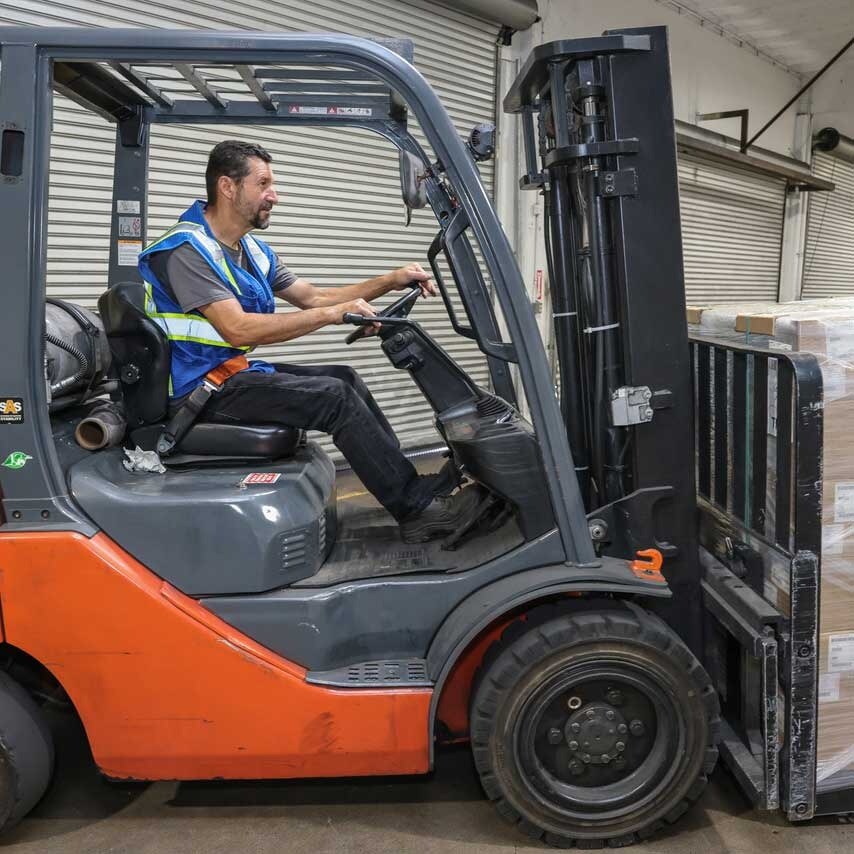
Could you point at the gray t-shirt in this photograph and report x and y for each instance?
(189, 279)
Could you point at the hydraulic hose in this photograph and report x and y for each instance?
(56, 389)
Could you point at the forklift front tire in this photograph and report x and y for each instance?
(26, 753)
(593, 728)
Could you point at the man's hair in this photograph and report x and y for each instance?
(231, 158)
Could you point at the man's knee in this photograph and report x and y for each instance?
(347, 375)
(341, 401)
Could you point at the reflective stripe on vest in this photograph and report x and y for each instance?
(262, 262)
(185, 327)
(211, 245)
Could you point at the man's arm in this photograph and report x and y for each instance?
(303, 294)
(247, 329)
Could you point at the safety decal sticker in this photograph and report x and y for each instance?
(128, 252)
(16, 460)
(127, 206)
(305, 110)
(11, 410)
(260, 477)
(130, 226)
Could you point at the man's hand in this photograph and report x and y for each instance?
(403, 277)
(356, 306)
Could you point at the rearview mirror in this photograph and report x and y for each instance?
(413, 171)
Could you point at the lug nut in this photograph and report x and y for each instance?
(590, 713)
(620, 746)
(573, 745)
(576, 768)
(622, 729)
(614, 697)
(586, 758)
(576, 728)
(574, 703)
(610, 715)
(605, 758)
(555, 736)
(637, 728)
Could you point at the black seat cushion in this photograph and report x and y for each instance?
(235, 441)
(271, 441)
(142, 355)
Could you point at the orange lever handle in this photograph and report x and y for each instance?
(654, 562)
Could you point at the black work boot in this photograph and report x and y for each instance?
(441, 516)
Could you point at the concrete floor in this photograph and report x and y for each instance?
(440, 814)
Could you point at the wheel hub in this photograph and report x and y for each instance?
(596, 733)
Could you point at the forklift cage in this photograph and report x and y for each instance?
(103, 71)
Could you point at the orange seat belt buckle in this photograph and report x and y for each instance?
(650, 567)
(227, 369)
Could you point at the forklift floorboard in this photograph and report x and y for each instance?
(369, 545)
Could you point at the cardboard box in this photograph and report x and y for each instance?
(824, 328)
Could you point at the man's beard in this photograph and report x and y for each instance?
(258, 222)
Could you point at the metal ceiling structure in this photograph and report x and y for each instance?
(800, 35)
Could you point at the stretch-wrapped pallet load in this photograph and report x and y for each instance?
(824, 328)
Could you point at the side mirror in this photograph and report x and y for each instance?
(413, 171)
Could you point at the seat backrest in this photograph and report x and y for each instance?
(140, 350)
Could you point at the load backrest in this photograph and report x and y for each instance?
(140, 350)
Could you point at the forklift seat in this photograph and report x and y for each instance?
(142, 355)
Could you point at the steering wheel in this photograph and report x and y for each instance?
(398, 309)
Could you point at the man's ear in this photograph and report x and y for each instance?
(226, 188)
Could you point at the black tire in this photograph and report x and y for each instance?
(616, 679)
(26, 753)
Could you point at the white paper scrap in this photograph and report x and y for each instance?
(828, 687)
(843, 504)
(841, 653)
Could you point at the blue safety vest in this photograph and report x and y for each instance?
(196, 345)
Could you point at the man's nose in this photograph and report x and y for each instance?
(272, 196)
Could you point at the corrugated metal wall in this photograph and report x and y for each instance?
(340, 218)
(732, 231)
(829, 245)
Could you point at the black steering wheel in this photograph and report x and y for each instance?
(398, 309)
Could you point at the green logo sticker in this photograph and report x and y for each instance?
(16, 460)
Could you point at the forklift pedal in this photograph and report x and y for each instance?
(471, 520)
(393, 673)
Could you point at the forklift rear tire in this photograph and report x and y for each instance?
(593, 728)
(26, 753)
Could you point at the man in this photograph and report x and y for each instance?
(211, 286)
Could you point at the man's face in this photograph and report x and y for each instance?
(256, 194)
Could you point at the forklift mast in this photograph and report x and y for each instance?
(598, 130)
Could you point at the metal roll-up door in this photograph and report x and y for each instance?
(340, 217)
(829, 245)
(732, 231)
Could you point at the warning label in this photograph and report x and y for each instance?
(260, 477)
(304, 110)
(128, 252)
(12, 410)
(130, 226)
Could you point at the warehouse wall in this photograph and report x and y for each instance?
(709, 72)
(833, 97)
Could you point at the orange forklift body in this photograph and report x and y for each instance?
(122, 643)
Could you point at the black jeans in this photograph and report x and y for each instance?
(333, 399)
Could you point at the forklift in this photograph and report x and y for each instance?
(211, 611)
